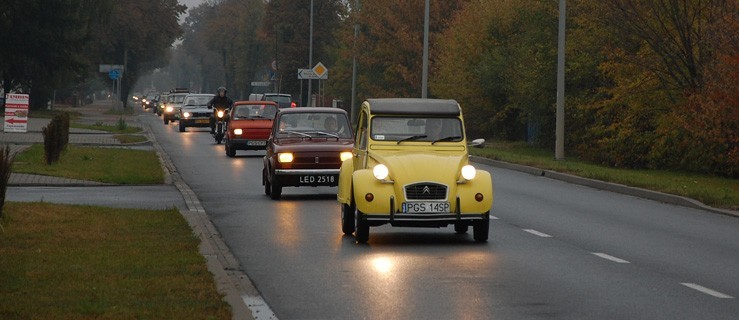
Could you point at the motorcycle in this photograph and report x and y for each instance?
(221, 125)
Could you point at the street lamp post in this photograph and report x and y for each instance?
(425, 74)
(559, 150)
(310, 57)
(354, 66)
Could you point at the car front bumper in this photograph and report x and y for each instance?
(195, 122)
(248, 144)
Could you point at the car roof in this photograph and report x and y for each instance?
(312, 109)
(252, 102)
(201, 94)
(276, 94)
(414, 106)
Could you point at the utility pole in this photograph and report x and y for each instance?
(559, 150)
(310, 57)
(425, 74)
(354, 107)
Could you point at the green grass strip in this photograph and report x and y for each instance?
(711, 190)
(110, 165)
(108, 128)
(85, 262)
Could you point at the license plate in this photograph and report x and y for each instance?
(256, 143)
(202, 121)
(425, 207)
(318, 179)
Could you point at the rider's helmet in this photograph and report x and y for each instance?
(222, 89)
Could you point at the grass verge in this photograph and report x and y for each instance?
(130, 138)
(108, 128)
(110, 165)
(711, 190)
(84, 262)
(48, 114)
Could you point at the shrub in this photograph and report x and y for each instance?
(56, 137)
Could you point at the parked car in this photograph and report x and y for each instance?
(306, 148)
(194, 111)
(283, 100)
(411, 169)
(249, 126)
(172, 110)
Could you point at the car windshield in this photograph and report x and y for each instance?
(255, 111)
(197, 100)
(178, 98)
(278, 99)
(314, 124)
(416, 129)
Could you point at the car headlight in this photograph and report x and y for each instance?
(380, 171)
(147, 102)
(169, 109)
(346, 155)
(186, 114)
(220, 114)
(238, 132)
(468, 172)
(285, 157)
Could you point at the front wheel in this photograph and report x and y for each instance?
(230, 152)
(481, 229)
(460, 228)
(275, 190)
(182, 126)
(267, 185)
(219, 138)
(361, 235)
(166, 121)
(347, 219)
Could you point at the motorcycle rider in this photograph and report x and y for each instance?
(220, 101)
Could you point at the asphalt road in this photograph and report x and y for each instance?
(556, 250)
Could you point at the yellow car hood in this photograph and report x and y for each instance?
(414, 166)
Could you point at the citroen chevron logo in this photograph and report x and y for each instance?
(426, 190)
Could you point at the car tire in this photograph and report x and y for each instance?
(361, 234)
(182, 127)
(460, 228)
(275, 190)
(230, 151)
(218, 140)
(481, 229)
(166, 121)
(267, 185)
(347, 219)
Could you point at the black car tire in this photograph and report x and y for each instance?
(347, 219)
(218, 140)
(182, 127)
(267, 185)
(275, 190)
(481, 229)
(166, 121)
(361, 234)
(460, 228)
(230, 151)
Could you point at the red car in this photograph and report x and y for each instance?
(306, 148)
(249, 126)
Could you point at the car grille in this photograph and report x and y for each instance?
(425, 191)
(200, 115)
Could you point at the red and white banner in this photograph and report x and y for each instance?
(16, 112)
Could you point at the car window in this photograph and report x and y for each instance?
(178, 98)
(362, 132)
(257, 111)
(315, 124)
(416, 128)
(278, 99)
(197, 101)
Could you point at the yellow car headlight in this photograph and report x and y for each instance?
(285, 157)
(238, 132)
(186, 114)
(380, 171)
(169, 109)
(346, 155)
(468, 172)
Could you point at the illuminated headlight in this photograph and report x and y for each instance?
(144, 100)
(220, 114)
(186, 114)
(285, 157)
(238, 132)
(380, 171)
(169, 109)
(147, 102)
(468, 172)
(346, 155)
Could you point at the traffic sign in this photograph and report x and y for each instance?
(16, 112)
(114, 74)
(306, 74)
(321, 71)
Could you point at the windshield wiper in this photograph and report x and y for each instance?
(449, 138)
(298, 133)
(416, 137)
(325, 133)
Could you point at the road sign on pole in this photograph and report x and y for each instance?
(306, 74)
(16, 112)
(321, 71)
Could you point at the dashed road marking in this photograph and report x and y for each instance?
(610, 257)
(707, 291)
(534, 232)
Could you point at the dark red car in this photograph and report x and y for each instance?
(306, 148)
(249, 126)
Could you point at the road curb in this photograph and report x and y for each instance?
(233, 283)
(607, 186)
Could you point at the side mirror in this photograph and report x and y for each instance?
(477, 143)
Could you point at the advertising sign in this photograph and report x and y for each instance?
(16, 112)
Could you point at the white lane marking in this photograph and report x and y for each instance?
(259, 308)
(534, 232)
(610, 257)
(707, 291)
(493, 218)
